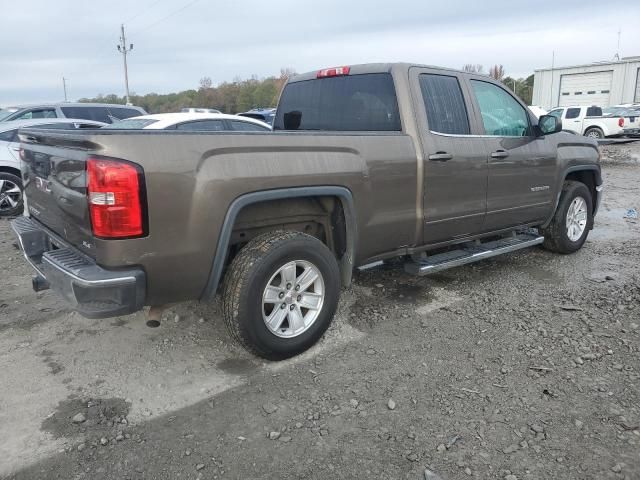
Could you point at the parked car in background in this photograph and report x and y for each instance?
(201, 122)
(98, 112)
(266, 115)
(11, 198)
(199, 110)
(589, 121)
(631, 115)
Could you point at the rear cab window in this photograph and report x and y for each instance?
(444, 104)
(104, 114)
(573, 113)
(362, 102)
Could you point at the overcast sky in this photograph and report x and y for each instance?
(176, 42)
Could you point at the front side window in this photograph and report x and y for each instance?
(502, 115)
(38, 113)
(572, 113)
(202, 126)
(444, 104)
(365, 102)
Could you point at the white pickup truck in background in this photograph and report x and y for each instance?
(588, 121)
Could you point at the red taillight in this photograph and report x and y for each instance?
(333, 72)
(621, 122)
(114, 196)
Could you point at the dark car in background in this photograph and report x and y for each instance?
(265, 115)
(98, 112)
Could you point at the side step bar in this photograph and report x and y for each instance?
(472, 252)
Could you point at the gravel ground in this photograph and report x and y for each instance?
(521, 367)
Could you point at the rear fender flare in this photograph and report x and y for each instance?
(345, 196)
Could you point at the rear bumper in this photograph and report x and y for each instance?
(632, 131)
(91, 290)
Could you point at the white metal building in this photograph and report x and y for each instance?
(601, 83)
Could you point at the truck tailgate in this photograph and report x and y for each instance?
(55, 183)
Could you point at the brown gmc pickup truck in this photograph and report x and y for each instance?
(365, 163)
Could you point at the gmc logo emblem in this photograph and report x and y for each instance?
(43, 185)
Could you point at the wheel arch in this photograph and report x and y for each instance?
(343, 194)
(11, 170)
(589, 175)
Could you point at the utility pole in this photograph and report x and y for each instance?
(122, 48)
(617, 55)
(64, 86)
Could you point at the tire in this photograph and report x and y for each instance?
(273, 259)
(558, 236)
(594, 132)
(11, 195)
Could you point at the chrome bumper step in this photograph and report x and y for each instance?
(472, 252)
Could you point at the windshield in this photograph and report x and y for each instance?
(131, 124)
(4, 113)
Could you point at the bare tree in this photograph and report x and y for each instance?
(472, 68)
(497, 72)
(205, 83)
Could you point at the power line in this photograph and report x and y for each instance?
(143, 11)
(184, 7)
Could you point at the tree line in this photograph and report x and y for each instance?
(242, 95)
(228, 97)
(522, 87)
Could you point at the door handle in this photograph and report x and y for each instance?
(440, 157)
(499, 154)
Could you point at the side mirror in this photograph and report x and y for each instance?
(548, 124)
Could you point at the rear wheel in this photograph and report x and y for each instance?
(280, 294)
(572, 221)
(594, 132)
(10, 195)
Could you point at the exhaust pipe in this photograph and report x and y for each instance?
(39, 283)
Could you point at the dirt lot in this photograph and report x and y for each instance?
(521, 367)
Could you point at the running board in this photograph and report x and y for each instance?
(472, 252)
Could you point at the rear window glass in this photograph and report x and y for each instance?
(131, 124)
(202, 126)
(444, 103)
(347, 103)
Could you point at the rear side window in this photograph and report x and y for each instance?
(247, 126)
(100, 114)
(573, 113)
(347, 103)
(444, 103)
(202, 126)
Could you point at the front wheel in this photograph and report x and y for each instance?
(280, 294)
(572, 221)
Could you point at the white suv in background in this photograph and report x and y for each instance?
(98, 112)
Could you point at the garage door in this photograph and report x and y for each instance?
(585, 89)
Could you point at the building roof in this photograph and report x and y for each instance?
(594, 64)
